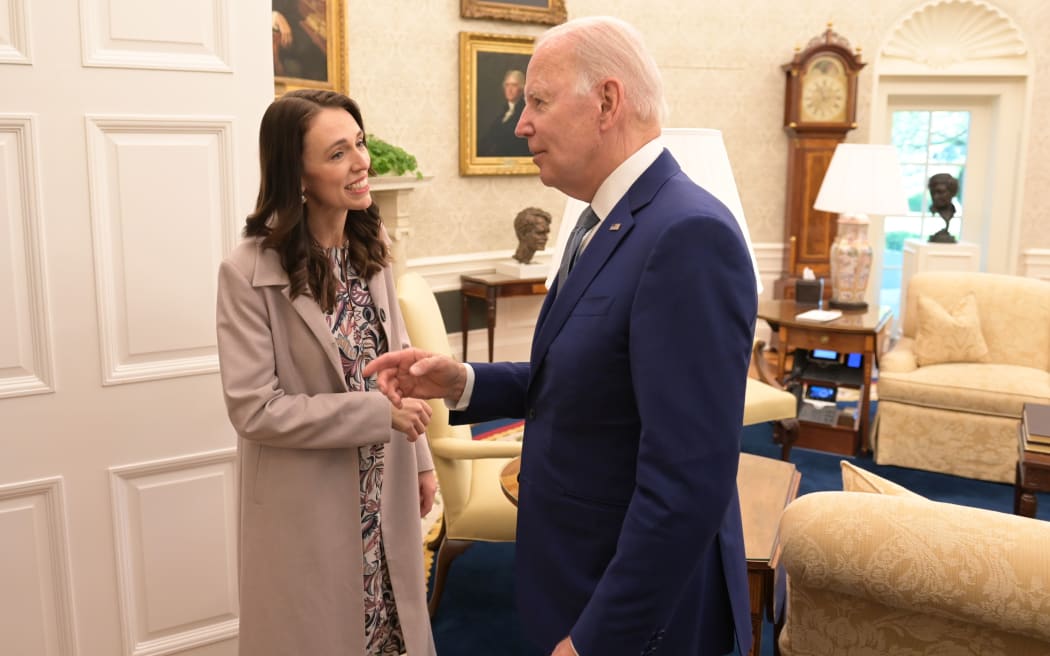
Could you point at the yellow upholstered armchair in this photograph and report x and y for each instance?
(878, 569)
(475, 508)
(975, 348)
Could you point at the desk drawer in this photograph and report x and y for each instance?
(828, 339)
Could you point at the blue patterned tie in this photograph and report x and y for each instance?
(588, 219)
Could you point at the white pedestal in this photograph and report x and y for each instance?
(516, 269)
(920, 255)
(388, 192)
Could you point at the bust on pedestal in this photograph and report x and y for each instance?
(532, 226)
(943, 188)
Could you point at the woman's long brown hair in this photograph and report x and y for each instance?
(280, 214)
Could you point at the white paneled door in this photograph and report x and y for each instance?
(127, 163)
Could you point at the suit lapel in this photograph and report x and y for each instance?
(613, 230)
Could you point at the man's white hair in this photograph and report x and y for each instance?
(609, 47)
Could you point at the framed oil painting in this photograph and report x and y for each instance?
(309, 45)
(549, 12)
(491, 98)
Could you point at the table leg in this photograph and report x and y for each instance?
(865, 403)
(465, 319)
(1024, 500)
(492, 320)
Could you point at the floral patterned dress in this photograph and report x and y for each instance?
(359, 335)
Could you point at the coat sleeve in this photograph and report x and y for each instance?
(500, 392)
(258, 407)
(690, 338)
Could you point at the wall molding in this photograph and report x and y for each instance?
(137, 639)
(34, 372)
(15, 46)
(210, 53)
(119, 365)
(1035, 263)
(50, 496)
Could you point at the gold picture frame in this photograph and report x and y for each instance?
(547, 12)
(309, 45)
(487, 117)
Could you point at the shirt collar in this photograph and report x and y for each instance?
(623, 177)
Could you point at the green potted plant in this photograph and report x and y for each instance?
(388, 158)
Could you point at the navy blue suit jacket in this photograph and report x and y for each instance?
(629, 532)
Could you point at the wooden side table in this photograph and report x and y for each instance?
(1033, 475)
(853, 332)
(489, 287)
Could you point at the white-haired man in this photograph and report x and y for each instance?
(629, 532)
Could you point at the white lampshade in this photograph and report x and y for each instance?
(703, 157)
(863, 179)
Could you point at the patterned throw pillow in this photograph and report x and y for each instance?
(949, 335)
(855, 479)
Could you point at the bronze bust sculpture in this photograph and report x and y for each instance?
(532, 225)
(943, 187)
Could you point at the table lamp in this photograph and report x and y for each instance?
(702, 155)
(862, 179)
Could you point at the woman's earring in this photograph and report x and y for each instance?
(302, 197)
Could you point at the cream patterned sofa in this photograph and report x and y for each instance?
(898, 574)
(961, 417)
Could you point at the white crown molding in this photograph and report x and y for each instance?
(49, 491)
(35, 375)
(225, 627)
(116, 368)
(15, 46)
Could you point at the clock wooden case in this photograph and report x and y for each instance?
(820, 108)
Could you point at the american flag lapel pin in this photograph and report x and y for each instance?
(614, 227)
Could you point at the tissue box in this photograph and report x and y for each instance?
(809, 292)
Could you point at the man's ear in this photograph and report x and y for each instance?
(611, 96)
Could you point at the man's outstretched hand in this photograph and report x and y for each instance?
(418, 374)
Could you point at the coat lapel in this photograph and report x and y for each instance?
(613, 230)
(270, 273)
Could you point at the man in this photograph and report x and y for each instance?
(532, 226)
(629, 534)
(499, 139)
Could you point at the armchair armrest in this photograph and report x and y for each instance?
(980, 566)
(459, 449)
(901, 358)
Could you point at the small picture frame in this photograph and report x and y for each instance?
(309, 45)
(491, 98)
(547, 12)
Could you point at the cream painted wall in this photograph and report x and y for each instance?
(721, 66)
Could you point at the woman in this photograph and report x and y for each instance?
(333, 478)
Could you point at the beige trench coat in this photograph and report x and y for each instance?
(301, 576)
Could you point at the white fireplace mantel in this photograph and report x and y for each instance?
(388, 192)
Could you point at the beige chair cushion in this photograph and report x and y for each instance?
(949, 335)
(988, 389)
(764, 403)
(855, 479)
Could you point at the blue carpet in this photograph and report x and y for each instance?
(477, 614)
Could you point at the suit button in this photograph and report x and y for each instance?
(531, 414)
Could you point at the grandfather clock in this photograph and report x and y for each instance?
(820, 107)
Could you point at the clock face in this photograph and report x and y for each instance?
(824, 91)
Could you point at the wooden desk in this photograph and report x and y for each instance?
(489, 287)
(854, 332)
(1033, 475)
(766, 486)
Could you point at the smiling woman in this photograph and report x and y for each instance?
(304, 303)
